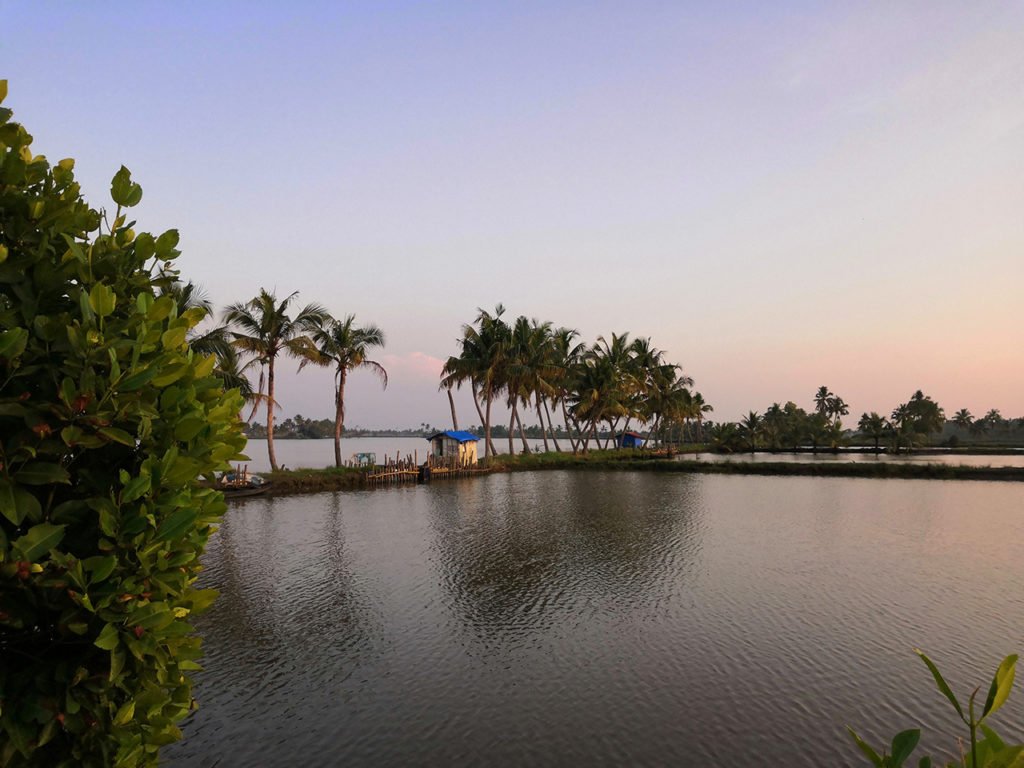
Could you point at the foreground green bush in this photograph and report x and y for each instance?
(988, 751)
(107, 419)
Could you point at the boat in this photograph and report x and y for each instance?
(239, 484)
(244, 491)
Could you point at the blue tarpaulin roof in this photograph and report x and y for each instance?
(461, 435)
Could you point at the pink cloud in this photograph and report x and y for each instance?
(415, 365)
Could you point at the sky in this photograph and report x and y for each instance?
(780, 195)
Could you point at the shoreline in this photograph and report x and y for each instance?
(309, 481)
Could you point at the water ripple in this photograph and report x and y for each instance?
(602, 619)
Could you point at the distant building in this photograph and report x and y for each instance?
(453, 447)
(629, 440)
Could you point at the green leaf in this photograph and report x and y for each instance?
(176, 524)
(3, 253)
(173, 338)
(28, 505)
(867, 750)
(123, 190)
(166, 243)
(99, 567)
(160, 309)
(118, 436)
(39, 540)
(42, 473)
(170, 374)
(188, 428)
(8, 504)
(136, 487)
(145, 247)
(108, 638)
(202, 599)
(924, 762)
(3, 91)
(941, 683)
(117, 659)
(107, 514)
(12, 342)
(139, 379)
(125, 713)
(102, 300)
(1002, 683)
(903, 744)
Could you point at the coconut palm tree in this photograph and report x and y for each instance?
(821, 400)
(343, 345)
(566, 356)
(263, 329)
(750, 428)
(836, 407)
(994, 418)
(963, 419)
(873, 426)
(699, 409)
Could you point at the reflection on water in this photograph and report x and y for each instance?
(563, 618)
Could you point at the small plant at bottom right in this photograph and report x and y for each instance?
(985, 748)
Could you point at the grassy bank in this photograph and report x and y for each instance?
(301, 481)
(292, 481)
(642, 461)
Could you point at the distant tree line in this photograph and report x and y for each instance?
(918, 422)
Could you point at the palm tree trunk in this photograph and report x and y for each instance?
(543, 428)
(511, 431)
(480, 413)
(569, 424)
(488, 445)
(339, 416)
(270, 414)
(551, 426)
(522, 434)
(613, 427)
(451, 404)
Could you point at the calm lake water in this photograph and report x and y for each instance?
(587, 618)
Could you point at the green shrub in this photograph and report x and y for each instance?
(107, 419)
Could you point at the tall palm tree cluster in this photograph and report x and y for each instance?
(907, 427)
(526, 365)
(258, 332)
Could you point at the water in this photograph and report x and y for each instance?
(589, 618)
(315, 454)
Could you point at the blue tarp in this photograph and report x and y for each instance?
(461, 436)
(629, 440)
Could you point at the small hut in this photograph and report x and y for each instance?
(453, 447)
(629, 440)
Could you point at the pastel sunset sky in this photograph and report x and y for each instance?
(781, 195)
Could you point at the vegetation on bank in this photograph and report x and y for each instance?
(297, 481)
(107, 418)
(287, 482)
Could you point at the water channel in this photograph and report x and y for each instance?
(603, 618)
